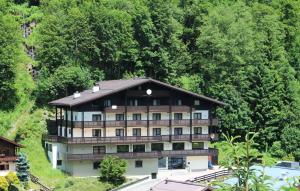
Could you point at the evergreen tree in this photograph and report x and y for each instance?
(22, 168)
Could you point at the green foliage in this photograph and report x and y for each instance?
(12, 178)
(22, 168)
(112, 169)
(291, 139)
(65, 81)
(9, 49)
(3, 184)
(239, 158)
(276, 150)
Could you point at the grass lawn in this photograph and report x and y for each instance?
(31, 132)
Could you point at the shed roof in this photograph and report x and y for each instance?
(3, 139)
(113, 86)
(172, 185)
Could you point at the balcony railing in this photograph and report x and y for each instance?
(129, 139)
(152, 154)
(139, 123)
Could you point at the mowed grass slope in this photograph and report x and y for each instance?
(31, 135)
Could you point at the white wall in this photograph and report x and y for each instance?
(197, 162)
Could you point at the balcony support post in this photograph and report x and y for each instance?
(72, 123)
(104, 124)
(170, 116)
(56, 122)
(61, 122)
(191, 122)
(148, 98)
(126, 113)
(82, 124)
(66, 127)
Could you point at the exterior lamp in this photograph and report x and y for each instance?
(114, 107)
(149, 91)
(212, 136)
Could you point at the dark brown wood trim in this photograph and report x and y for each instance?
(82, 124)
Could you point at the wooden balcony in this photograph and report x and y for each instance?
(152, 154)
(139, 123)
(143, 109)
(129, 139)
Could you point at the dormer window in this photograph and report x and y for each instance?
(197, 102)
(107, 103)
(133, 102)
(156, 102)
(179, 102)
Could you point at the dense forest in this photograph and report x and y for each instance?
(245, 53)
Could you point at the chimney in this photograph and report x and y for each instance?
(96, 88)
(76, 95)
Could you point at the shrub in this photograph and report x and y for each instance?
(3, 184)
(12, 178)
(276, 150)
(112, 170)
(297, 155)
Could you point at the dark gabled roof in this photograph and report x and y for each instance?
(10, 142)
(113, 86)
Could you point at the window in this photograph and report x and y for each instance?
(119, 132)
(178, 116)
(70, 131)
(197, 130)
(156, 131)
(157, 147)
(138, 148)
(75, 118)
(136, 131)
(96, 117)
(156, 102)
(138, 164)
(99, 150)
(197, 145)
(4, 166)
(119, 117)
(197, 102)
(136, 116)
(178, 146)
(96, 132)
(162, 162)
(107, 103)
(50, 147)
(122, 148)
(96, 165)
(59, 162)
(156, 116)
(197, 115)
(179, 102)
(133, 102)
(178, 131)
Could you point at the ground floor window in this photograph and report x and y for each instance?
(197, 145)
(99, 149)
(59, 162)
(96, 165)
(162, 162)
(176, 162)
(122, 148)
(138, 164)
(138, 148)
(178, 146)
(4, 166)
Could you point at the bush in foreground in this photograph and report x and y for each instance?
(112, 169)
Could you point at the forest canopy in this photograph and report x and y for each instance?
(245, 53)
